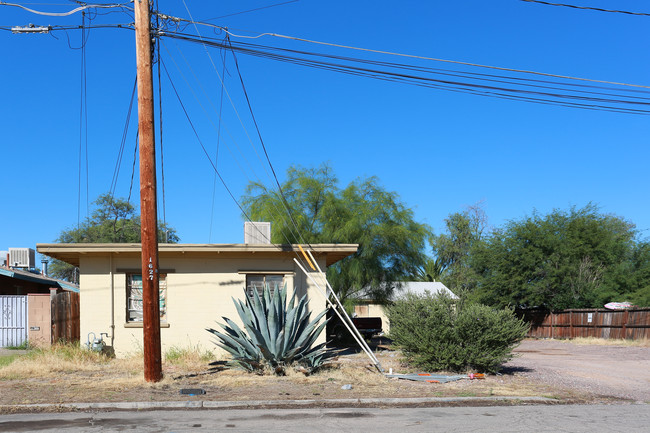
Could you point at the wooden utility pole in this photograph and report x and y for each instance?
(148, 216)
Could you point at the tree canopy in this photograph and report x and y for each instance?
(114, 220)
(566, 259)
(391, 242)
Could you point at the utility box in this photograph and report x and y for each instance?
(22, 258)
(257, 232)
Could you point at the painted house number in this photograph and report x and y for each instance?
(150, 269)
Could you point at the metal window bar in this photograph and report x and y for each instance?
(134, 298)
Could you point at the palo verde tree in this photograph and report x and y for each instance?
(114, 220)
(315, 210)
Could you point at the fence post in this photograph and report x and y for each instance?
(626, 314)
(570, 324)
(552, 330)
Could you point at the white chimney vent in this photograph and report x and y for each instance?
(22, 258)
(257, 232)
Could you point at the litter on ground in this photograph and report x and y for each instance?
(436, 378)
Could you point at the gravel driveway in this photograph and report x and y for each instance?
(616, 371)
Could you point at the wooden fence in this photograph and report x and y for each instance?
(65, 317)
(600, 323)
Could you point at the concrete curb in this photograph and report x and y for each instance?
(201, 404)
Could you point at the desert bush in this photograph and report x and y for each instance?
(436, 332)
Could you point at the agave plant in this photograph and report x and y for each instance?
(275, 335)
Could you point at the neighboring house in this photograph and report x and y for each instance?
(197, 284)
(20, 282)
(26, 302)
(368, 308)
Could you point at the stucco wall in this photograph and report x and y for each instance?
(40, 319)
(199, 293)
(374, 310)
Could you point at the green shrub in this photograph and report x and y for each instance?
(440, 333)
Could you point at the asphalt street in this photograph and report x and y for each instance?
(546, 418)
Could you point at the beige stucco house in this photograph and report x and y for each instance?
(197, 284)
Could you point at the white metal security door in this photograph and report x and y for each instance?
(13, 320)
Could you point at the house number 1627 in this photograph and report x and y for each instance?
(150, 269)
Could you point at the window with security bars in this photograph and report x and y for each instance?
(134, 297)
(259, 281)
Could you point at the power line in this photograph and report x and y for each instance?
(214, 167)
(252, 10)
(523, 71)
(64, 14)
(120, 153)
(569, 96)
(220, 117)
(587, 8)
(284, 202)
(216, 156)
(268, 159)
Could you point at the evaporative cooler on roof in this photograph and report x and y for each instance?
(257, 232)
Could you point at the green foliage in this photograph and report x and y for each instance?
(431, 271)
(465, 231)
(275, 335)
(22, 346)
(566, 259)
(391, 243)
(114, 220)
(7, 359)
(440, 333)
(179, 355)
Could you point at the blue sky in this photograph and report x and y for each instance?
(440, 151)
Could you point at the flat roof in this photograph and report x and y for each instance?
(71, 253)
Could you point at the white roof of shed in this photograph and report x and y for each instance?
(420, 288)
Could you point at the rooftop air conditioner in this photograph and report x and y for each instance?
(257, 232)
(22, 258)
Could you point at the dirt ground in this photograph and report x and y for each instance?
(565, 371)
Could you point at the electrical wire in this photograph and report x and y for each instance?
(277, 35)
(216, 156)
(231, 101)
(268, 159)
(574, 97)
(120, 153)
(225, 89)
(587, 8)
(160, 122)
(252, 10)
(64, 14)
(205, 151)
(135, 158)
(231, 137)
(205, 111)
(214, 167)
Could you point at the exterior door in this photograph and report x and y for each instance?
(13, 320)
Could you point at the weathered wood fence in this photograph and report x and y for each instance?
(633, 324)
(65, 317)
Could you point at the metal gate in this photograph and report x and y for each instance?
(13, 320)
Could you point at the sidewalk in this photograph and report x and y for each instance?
(259, 404)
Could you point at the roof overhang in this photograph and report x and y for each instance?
(72, 253)
(38, 279)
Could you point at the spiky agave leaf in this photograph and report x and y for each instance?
(276, 334)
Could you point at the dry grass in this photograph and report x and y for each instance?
(592, 341)
(70, 373)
